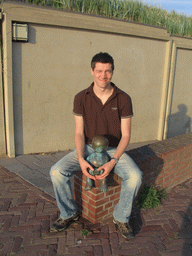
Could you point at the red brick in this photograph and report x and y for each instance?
(178, 178)
(84, 178)
(85, 211)
(102, 214)
(168, 230)
(4, 240)
(98, 236)
(61, 245)
(70, 237)
(22, 198)
(89, 194)
(35, 247)
(174, 225)
(114, 240)
(116, 201)
(106, 247)
(77, 186)
(98, 250)
(80, 249)
(15, 221)
(118, 189)
(92, 202)
(24, 215)
(87, 216)
(110, 192)
(6, 249)
(95, 210)
(27, 237)
(84, 198)
(77, 192)
(113, 197)
(100, 196)
(92, 215)
(152, 248)
(81, 196)
(77, 179)
(166, 184)
(92, 241)
(110, 210)
(159, 181)
(98, 202)
(85, 205)
(144, 252)
(7, 225)
(152, 228)
(166, 179)
(17, 244)
(108, 205)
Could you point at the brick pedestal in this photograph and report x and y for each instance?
(96, 205)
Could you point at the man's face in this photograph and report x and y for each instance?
(102, 74)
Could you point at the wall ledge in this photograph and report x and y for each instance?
(164, 164)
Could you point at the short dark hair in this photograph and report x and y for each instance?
(102, 57)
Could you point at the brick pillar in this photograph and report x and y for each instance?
(95, 205)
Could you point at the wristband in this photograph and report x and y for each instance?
(116, 160)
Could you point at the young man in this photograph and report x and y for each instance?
(101, 109)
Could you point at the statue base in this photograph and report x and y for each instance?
(95, 205)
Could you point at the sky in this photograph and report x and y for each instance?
(181, 7)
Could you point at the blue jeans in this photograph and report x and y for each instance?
(69, 164)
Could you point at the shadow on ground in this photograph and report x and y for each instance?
(151, 165)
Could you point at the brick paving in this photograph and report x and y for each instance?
(26, 213)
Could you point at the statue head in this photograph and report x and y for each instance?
(100, 143)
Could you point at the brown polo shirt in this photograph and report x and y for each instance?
(102, 119)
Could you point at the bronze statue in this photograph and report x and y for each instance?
(97, 159)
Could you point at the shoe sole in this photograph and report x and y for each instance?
(131, 236)
(114, 222)
(70, 222)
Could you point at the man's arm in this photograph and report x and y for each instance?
(124, 142)
(80, 146)
(126, 134)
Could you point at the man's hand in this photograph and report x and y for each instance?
(85, 166)
(106, 169)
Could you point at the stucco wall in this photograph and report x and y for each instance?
(179, 120)
(55, 65)
(140, 72)
(42, 76)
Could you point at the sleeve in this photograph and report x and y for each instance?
(77, 105)
(126, 109)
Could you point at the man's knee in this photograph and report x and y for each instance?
(56, 176)
(53, 172)
(136, 178)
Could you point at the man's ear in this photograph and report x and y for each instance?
(92, 72)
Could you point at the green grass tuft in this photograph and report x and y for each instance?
(150, 197)
(85, 232)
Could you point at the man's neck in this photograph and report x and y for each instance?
(103, 93)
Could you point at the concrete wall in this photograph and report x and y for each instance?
(43, 75)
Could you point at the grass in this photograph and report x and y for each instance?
(85, 232)
(150, 197)
(134, 11)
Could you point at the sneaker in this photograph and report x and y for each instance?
(125, 229)
(61, 224)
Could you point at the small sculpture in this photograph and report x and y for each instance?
(97, 159)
